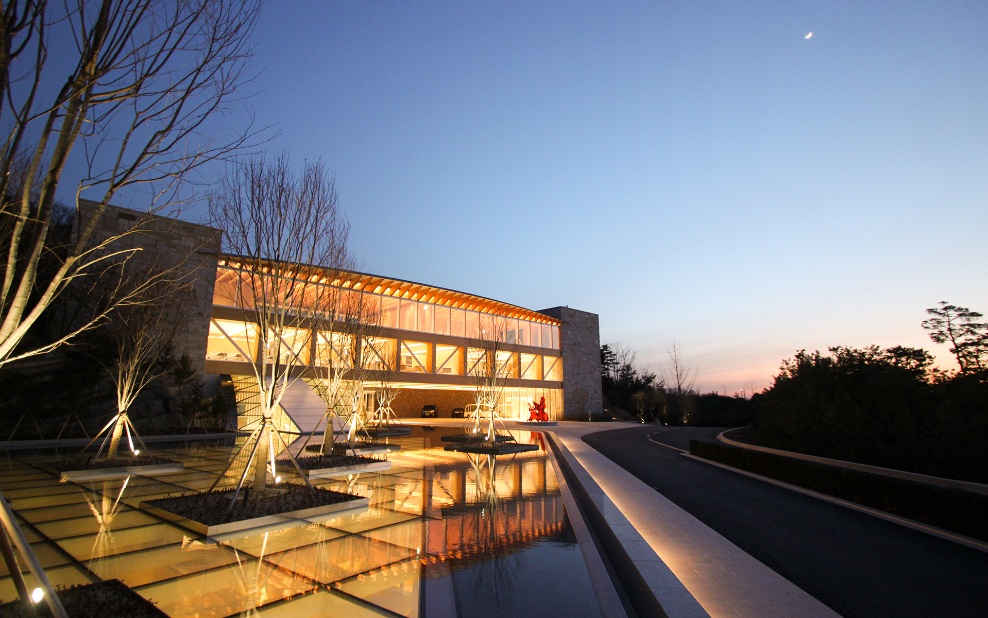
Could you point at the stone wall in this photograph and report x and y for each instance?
(194, 246)
(409, 402)
(579, 344)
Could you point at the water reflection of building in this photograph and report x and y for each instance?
(485, 507)
(423, 538)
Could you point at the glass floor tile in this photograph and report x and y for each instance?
(438, 523)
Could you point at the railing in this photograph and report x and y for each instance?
(12, 532)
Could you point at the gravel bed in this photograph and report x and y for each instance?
(212, 508)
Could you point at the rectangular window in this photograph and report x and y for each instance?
(449, 359)
(524, 332)
(531, 366)
(334, 350)
(380, 353)
(294, 346)
(441, 320)
(341, 304)
(475, 362)
(425, 311)
(554, 330)
(368, 307)
(546, 336)
(457, 322)
(231, 340)
(389, 312)
(510, 326)
(234, 288)
(535, 334)
(408, 313)
(507, 364)
(415, 356)
(473, 324)
(225, 290)
(553, 368)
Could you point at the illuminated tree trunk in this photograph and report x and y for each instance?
(128, 96)
(263, 453)
(118, 428)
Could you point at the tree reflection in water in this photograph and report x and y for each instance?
(105, 512)
(496, 563)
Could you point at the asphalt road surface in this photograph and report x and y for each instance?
(857, 564)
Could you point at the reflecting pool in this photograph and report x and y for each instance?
(445, 534)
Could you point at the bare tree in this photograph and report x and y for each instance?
(387, 359)
(141, 331)
(144, 77)
(491, 364)
(682, 375)
(291, 239)
(335, 359)
(344, 355)
(366, 351)
(648, 402)
(681, 379)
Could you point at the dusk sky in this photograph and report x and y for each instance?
(698, 172)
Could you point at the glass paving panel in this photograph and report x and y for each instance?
(439, 524)
(60, 577)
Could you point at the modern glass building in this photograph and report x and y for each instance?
(435, 335)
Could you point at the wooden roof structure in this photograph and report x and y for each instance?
(398, 288)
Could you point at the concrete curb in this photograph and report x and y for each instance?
(626, 549)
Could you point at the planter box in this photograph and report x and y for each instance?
(325, 473)
(102, 474)
(475, 437)
(388, 432)
(364, 448)
(108, 598)
(267, 523)
(498, 448)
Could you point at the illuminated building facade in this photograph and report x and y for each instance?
(552, 353)
(435, 332)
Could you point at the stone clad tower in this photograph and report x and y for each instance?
(579, 344)
(195, 246)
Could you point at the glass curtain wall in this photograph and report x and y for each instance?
(515, 401)
(404, 314)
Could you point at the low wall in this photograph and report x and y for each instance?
(949, 508)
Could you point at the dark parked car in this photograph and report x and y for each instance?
(430, 412)
(456, 413)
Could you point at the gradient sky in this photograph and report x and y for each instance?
(690, 171)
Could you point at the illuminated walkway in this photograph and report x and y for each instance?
(427, 528)
(444, 534)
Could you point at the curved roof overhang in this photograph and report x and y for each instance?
(397, 288)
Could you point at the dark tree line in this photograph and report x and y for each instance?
(889, 407)
(638, 393)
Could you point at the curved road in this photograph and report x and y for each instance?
(856, 564)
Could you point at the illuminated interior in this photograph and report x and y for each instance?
(435, 334)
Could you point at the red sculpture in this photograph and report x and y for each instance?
(537, 413)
